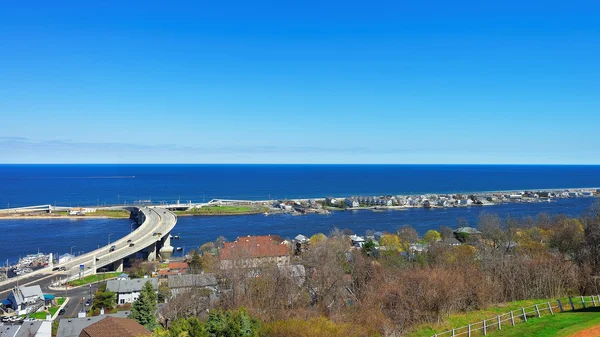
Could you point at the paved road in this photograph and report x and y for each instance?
(157, 220)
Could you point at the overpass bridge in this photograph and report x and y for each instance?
(151, 237)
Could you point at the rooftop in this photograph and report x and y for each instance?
(129, 286)
(254, 247)
(115, 327)
(71, 327)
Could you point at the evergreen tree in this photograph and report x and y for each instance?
(195, 263)
(144, 309)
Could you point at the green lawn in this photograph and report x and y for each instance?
(560, 325)
(463, 319)
(222, 210)
(60, 301)
(93, 278)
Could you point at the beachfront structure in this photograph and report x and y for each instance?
(254, 251)
(352, 202)
(128, 291)
(331, 201)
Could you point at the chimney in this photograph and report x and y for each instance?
(101, 311)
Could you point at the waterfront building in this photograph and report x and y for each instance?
(128, 291)
(357, 241)
(352, 202)
(74, 327)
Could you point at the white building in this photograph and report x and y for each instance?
(65, 258)
(352, 202)
(128, 291)
(26, 300)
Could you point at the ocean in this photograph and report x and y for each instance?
(82, 185)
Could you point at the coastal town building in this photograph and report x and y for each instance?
(174, 268)
(73, 327)
(128, 291)
(254, 251)
(25, 300)
(115, 327)
(27, 329)
(352, 202)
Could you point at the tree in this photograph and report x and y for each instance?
(408, 234)
(208, 248)
(316, 238)
(234, 323)
(144, 308)
(390, 242)
(368, 247)
(432, 236)
(104, 299)
(189, 327)
(195, 263)
(164, 292)
(446, 232)
(220, 241)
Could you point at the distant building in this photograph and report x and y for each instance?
(174, 268)
(352, 202)
(65, 258)
(301, 239)
(357, 241)
(253, 251)
(128, 291)
(331, 201)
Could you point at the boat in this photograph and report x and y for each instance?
(178, 249)
(266, 213)
(175, 237)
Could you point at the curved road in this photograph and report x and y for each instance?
(158, 220)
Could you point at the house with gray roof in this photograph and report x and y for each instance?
(182, 283)
(25, 300)
(71, 327)
(128, 291)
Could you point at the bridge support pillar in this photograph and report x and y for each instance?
(166, 250)
(152, 252)
(118, 265)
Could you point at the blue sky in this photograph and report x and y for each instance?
(300, 82)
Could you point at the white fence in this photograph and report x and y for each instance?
(514, 317)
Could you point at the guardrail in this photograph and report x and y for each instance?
(523, 314)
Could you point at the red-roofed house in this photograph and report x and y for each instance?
(253, 251)
(174, 268)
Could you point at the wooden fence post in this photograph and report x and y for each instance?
(524, 314)
(512, 318)
(550, 309)
(469, 327)
(538, 311)
(582, 302)
(499, 323)
(484, 328)
(571, 301)
(560, 306)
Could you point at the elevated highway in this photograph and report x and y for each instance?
(151, 238)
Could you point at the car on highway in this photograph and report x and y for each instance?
(61, 312)
(88, 303)
(112, 248)
(128, 241)
(62, 268)
(55, 268)
(131, 244)
(97, 259)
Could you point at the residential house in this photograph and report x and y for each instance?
(72, 327)
(357, 241)
(25, 300)
(115, 327)
(174, 268)
(253, 251)
(128, 291)
(182, 283)
(331, 201)
(27, 329)
(352, 202)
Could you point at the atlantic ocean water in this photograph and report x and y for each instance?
(83, 185)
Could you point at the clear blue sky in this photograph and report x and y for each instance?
(300, 82)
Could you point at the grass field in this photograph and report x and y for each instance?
(93, 278)
(222, 210)
(560, 325)
(463, 319)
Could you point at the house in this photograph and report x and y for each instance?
(27, 329)
(123, 276)
(357, 241)
(331, 201)
(174, 268)
(253, 251)
(25, 300)
(418, 247)
(72, 327)
(115, 327)
(352, 202)
(128, 291)
(183, 283)
(301, 239)
(450, 242)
